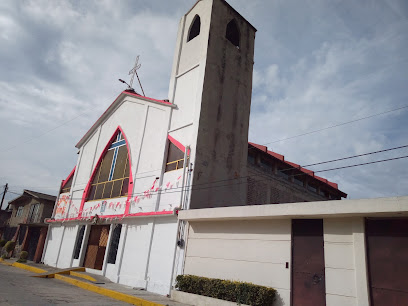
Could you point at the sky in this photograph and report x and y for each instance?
(318, 64)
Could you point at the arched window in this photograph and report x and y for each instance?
(232, 33)
(67, 186)
(194, 28)
(175, 158)
(111, 178)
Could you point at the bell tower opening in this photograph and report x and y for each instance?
(195, 28)
(232, 33)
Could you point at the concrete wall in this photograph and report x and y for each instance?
(145, 254)
(270, 188)
(253, 243)
(54, 237)
(344, 255)
(256, 251)
(67, 247)
(222, 136)
(252, 251)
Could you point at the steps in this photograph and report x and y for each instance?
(51, 274)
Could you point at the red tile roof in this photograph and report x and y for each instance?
(293, 165)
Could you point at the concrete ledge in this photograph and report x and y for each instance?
(107, 292)
(28, 268)
(380, 207)
(81, 275)
(199, 300)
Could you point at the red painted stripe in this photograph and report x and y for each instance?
(130, 186)
(147, 98)
(68, 177)
(126, 93)
(142, 214)
(178, 144)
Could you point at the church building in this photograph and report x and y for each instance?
(146, 159)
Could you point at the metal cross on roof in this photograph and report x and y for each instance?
(133, 71)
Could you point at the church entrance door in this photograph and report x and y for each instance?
(97, 242)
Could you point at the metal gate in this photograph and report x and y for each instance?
(97, 242)
(387, 260)
(308, 277)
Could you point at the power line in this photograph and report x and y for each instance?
(46, 132)
(238, 180)
(292, 168)
(337, 125)
(363, 164)
(354, 156)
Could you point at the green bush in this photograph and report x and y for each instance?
(23, 255)
(2, 243)
(9, 246)
(239, 292)
(4, 256)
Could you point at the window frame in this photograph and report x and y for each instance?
(126, 180)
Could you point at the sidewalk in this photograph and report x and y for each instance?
(95, 283)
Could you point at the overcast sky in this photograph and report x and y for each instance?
(317, 64)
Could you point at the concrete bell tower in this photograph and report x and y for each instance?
(211, 84)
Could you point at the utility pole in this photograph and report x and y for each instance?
(4, 193)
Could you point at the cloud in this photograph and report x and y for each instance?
(317, 63)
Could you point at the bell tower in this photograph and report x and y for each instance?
(211, 84)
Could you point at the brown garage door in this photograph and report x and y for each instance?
(387, 256)
(308, 281)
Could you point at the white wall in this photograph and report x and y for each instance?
(53, 245)
(135, 253)
(162, 255)
(67, 246)
(251, 251)
(344, 255)
(256, 251)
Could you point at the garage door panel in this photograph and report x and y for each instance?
(387, 255)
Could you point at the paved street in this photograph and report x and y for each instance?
(17, 288)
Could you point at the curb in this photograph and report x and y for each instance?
(2, 261)
(107, 292)
(84, 276)
(28, 268)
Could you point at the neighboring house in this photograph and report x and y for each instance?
(4, 228)
(145, 159)
(27, 221)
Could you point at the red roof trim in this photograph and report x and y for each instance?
(147, 98)
(304, 170)
(178, 144)
(126, 93)
(64, 182)
(130, 184)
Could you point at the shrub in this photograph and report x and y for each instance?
(23, 255)
(4, 256)
(239, 292)
(9, 246)
(2, 243)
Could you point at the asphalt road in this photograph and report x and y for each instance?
(18, 288)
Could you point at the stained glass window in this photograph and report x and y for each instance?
(112, 176)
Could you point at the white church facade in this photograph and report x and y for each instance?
(117, 210)
(161, 188)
